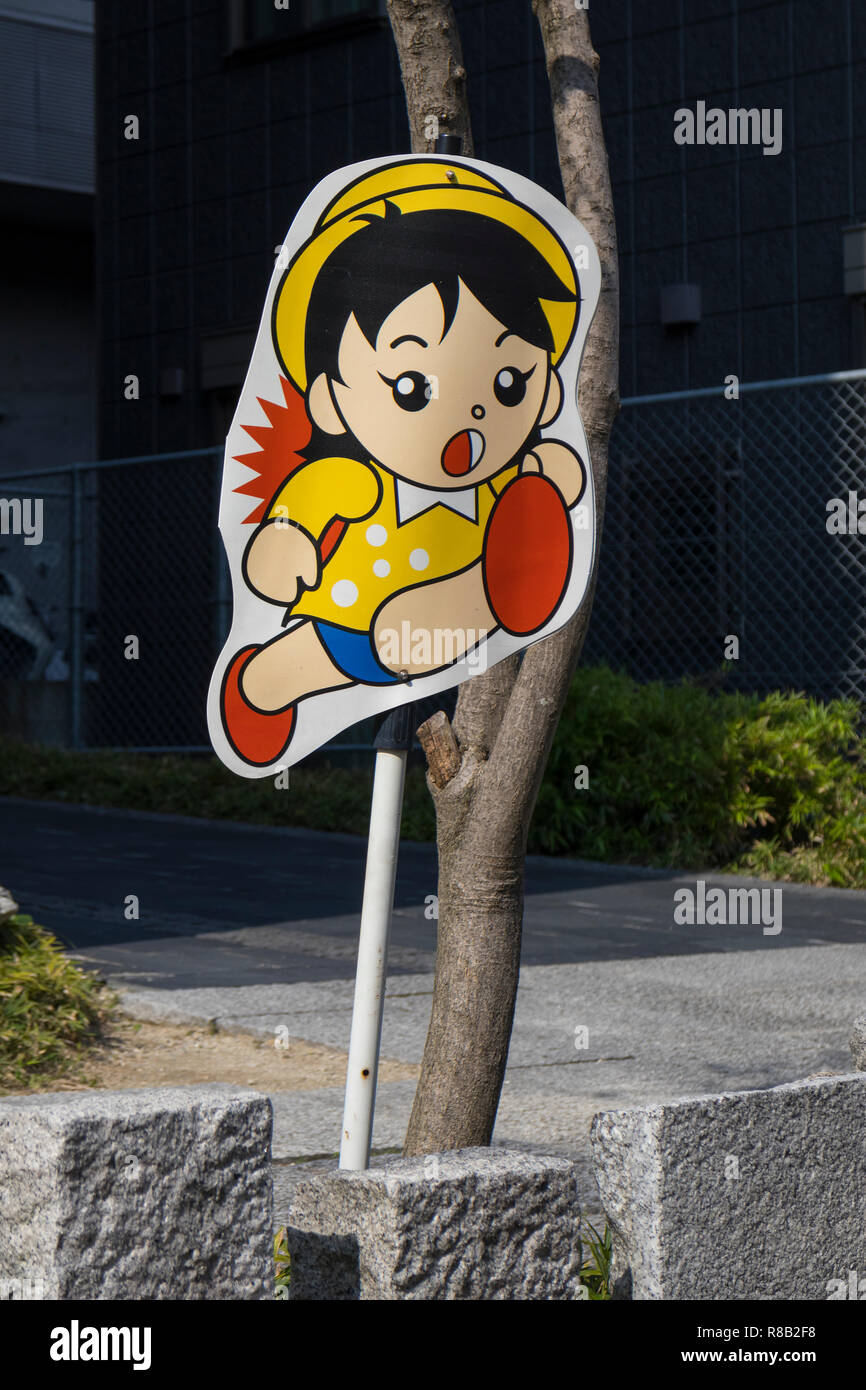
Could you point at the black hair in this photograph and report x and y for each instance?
(405, 252)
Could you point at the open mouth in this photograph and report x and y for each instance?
(462, 453)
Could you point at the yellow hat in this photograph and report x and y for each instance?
(413, 186)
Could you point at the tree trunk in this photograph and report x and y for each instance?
(431, 65)
(485, 780)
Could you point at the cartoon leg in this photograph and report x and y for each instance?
(410, 632)
(262, 686)
(527, 554)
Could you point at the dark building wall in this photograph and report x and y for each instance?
(760, 234)
(47, 331)
(47, 347)
(190, 212)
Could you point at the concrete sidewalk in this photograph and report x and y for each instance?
(670, 1010)
(657, 1029)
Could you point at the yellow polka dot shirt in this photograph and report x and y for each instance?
(378, 555)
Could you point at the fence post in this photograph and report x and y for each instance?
(722, 548)
(76, 635)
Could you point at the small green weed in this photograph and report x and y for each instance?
(595, 1268)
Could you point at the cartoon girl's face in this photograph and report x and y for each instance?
(442, 409)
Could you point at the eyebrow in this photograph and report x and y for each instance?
(409, 338)
(508, 333)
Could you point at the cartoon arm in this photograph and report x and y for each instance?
(561, 465)
(284, 553)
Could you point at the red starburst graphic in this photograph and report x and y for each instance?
(287, 432)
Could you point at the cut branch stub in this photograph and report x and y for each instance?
(443, 753)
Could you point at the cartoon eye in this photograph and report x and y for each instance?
(411, 390)
(509, 387)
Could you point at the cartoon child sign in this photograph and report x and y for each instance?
(424, 499)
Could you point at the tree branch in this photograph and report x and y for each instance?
(440, 746)
(431, 64)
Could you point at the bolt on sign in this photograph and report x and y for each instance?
(406, 494)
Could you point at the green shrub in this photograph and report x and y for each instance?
(682, 778)
(49, 1008)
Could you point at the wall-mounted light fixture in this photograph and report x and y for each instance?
(680, 305)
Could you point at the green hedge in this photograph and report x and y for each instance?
(679, 777)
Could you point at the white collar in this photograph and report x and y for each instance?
(412, 499)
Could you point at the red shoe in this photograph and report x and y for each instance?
(527, 554)
(258, 738)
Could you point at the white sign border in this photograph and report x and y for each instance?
(320, 718)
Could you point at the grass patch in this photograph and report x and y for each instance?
(321, 797)
(51, 1012)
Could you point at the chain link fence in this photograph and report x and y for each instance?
(123, 604)
(717, 526)
(115, 596)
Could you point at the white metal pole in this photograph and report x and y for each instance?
(382, 849)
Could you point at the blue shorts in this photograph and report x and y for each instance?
(353, 653)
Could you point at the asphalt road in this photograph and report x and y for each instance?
(223, 904)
